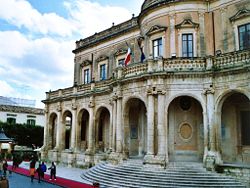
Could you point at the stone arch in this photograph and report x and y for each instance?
(67, 127)
(135, 127)
(232, 119)
(83, 127)
(102, 129)
(53, 126)
(185, 127)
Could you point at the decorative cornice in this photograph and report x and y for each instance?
(120, 51)
(156, 29)
(187, 23)
(240, 14)
(101, 58)
(86, 63)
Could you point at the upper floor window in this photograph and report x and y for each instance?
(244, 36)
(187, 45)
(86, 76)
(103, 72)
(31, 122)
(121, 62)
(11, 120)
(157, 48)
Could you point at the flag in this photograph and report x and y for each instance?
(128, 57)
(142, 55)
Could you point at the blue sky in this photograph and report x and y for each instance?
(37, 37)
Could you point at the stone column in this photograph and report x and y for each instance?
(46, 130)
(59, 128)
(150, 127)
(172, 35)
(73, 130)
(114, 123)
(202, 33)
(210, 116)
(119, 125)
(160, 126)
(91, 126)
(206, 135)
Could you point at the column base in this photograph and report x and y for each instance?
(115, 158)
(212, 159)
(89, 158)
(157, 161)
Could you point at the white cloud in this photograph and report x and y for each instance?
(21, 14)
(6, 89)
(91, 17)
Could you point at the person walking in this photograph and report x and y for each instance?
(39, 172)
(52, 171)
(1, 167)
(32, 168)
(44, 169)
(5, 167)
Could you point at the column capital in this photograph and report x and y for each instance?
(73, 106)
(150, 91)
(161, 92)
(58, 108)
(91, 104)
(207, 91)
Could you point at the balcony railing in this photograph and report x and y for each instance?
(178, 65)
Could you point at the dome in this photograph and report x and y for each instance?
(154, 3)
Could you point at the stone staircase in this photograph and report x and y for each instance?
(133, 174)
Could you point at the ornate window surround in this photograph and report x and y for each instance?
(102, 60)
(157, 32)
(187, 26)
(120, 54)
(84, 66)
(240, 18)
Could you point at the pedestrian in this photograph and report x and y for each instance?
(52, 171)
(1, 167)
(5, 167)
(32, 168)
(39, 172)
(44, 169)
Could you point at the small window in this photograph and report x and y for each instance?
(11, 120)
(103, 72)
(157, 48)
(244, 36)
(187, 45)
(31, 122)
(86, 76)
(121, 62)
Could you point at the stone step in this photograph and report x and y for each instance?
(123, 172)
(133, 174)
(162, 176)
(116, 182)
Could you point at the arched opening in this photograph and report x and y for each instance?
(67, 122)
(185, 130)
(102, 130)
(84, 125)
(135, 128)
(235, 128)
(52, 130)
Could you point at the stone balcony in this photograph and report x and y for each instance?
(226, 62)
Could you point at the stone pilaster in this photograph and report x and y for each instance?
(113, 146)
(172, 35)
(160, 126)
(119, 125)
(91, 126)
(59, 128)
(74, 125)
(46, 144)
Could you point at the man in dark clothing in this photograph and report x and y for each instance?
(39, 172)
(44, 168)
(52, 171)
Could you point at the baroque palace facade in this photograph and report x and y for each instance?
(188, 100)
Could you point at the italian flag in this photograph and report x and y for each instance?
(128, 57)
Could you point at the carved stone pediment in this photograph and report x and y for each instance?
(156, 29)
(101, 58)
(120, 52)
(86, 63)
(240, 14)
(187, 23)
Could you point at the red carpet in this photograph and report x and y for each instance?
(59, 181)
